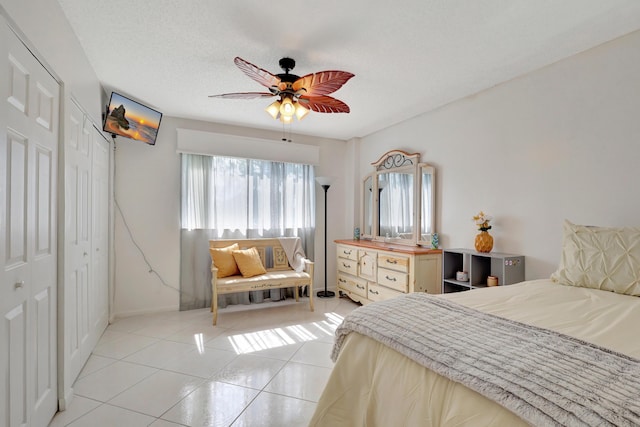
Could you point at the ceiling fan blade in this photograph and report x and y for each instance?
(324, 104)
(263, 77)
(243, 95)
(322, 83)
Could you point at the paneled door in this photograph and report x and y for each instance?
(85, 294)
(77, 247)
(99, 314)
(29, 107)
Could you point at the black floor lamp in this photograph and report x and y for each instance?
(325, 182)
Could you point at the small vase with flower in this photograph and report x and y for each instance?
(484, 240)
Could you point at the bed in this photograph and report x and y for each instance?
(591, 301)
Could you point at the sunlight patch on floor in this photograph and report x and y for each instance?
(278, 337)
(199, 339)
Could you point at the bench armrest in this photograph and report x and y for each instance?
(308, 266)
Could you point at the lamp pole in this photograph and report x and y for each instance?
(325, 293)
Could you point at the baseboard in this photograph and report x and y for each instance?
(123, 314)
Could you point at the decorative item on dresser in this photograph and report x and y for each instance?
(373, 271)
(484, 269)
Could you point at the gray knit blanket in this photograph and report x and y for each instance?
(544, 377)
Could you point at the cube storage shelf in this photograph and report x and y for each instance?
(508, 268)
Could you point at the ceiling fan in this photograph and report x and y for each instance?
(297, 95)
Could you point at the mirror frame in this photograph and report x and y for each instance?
(422, 169)
(398, 161)
(363, 200)
(410, 237)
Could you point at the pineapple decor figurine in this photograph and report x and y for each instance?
(484, 240)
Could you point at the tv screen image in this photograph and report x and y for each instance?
(128, 118)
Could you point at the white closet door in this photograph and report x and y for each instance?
(29, 105)
(77, 248)
(99, 285)
(86, 244)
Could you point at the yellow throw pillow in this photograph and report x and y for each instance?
(224, 261)
(249, 262)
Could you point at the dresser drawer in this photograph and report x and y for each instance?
(348, 266)
(393, 279)
(379, 293)
(393, 262)
(352, 284)
(347, 252)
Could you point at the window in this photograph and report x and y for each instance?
(247, 198)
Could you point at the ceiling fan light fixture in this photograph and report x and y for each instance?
(287, 108)
(301, 111)
(286, 119)
(274, 109)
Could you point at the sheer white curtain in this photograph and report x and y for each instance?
(224, 197)
(427, 208)
(396, 205)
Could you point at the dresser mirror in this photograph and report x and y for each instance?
(398, 200)
(396, 193)
(367, 207)
(427, 203)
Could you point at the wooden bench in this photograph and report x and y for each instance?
(279, 273)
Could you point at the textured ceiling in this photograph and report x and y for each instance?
(408, 56)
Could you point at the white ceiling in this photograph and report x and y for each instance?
(408, 56)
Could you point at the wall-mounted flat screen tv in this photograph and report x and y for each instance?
(130, 119)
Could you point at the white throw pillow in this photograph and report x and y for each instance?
(600, 258)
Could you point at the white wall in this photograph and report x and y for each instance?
(562, 142)
(148, 195)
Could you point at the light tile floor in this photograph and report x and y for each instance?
(262, 365)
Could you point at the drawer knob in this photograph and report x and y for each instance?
(346, 265)
(347, 252)
(359, 286)
(393, 279)
(392, 261)
(373, 292)
(342, 280)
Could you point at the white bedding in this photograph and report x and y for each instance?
(372, 385)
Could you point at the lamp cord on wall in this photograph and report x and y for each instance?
(113, 243)
(133, 240)
(144, 257)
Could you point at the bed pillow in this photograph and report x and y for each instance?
(600, 258)
(249, 262)
(224, 261)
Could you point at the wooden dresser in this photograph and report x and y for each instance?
(373, 271)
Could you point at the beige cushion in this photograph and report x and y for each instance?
(600, 258)
(224, 261)
(249, 262)
(279, 276)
